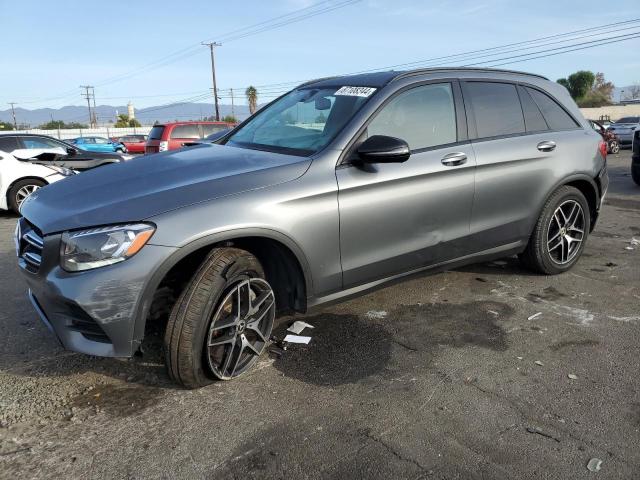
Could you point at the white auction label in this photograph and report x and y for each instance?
(356, 91)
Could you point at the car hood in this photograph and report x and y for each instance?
(153, 184)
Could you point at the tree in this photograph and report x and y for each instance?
(124, 121)
(252, 99)
(230, 119)
(6, 126)
(633, 92)
(59, 124)
(588, 89)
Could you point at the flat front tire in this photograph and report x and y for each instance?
(221, 322)
(560, 234)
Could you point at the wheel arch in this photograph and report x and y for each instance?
(586, 185)
(16, 180)
(285, 265)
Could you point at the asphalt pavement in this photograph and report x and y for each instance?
(488, 371)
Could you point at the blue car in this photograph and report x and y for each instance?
(98, 144)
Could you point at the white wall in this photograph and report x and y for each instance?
(108, 132)
(613, 111)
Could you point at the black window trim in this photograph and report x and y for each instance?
(471, 121)
(521, 91)
(462, 134)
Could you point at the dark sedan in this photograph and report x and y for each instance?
(69, 155)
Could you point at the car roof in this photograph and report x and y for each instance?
(380, 79)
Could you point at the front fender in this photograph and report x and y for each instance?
(209, 240)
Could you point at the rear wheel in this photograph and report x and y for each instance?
(21, 190)
(559, 236)
(614, 146)
(635, 173)
(222, 321)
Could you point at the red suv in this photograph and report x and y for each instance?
(171, 136)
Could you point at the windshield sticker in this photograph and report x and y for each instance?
(356, 91)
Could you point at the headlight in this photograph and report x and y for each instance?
(97, 247)
(163, 147)
(62, 170)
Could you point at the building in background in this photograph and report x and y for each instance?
(131, 111)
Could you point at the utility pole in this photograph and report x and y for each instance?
(87, 95)
(95, 112)
(13, 112)
(233, 110)
(211, 45)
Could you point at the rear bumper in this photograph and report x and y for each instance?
(93, 312)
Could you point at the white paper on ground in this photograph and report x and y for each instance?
(297, 339)
(298, 326)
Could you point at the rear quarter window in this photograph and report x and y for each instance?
(185, 131)
(156, 132)
(554, 114)
(496, 108)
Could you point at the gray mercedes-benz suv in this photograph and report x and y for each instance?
(336, 187)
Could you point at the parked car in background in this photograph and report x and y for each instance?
(171, 136)
(68, 156)
(133, 143)
(98, 144)
(19, 177)
(624, 129)
(405, 172)
(613, 145)
(208, 139)
(635, 157)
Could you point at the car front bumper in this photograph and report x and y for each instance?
(94, 311)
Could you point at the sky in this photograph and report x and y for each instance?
(124, 48)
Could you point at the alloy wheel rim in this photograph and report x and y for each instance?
(240, 328)
(566, 232)
(24, 192)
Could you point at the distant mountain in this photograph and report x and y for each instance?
(106, 113)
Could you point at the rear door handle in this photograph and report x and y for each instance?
(547, 146)
(454, 159)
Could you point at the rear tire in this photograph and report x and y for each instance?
(214, 331)
(560, 234)
(21, 190)
(614, 147)
(635, 174)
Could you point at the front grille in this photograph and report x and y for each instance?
(29, 245)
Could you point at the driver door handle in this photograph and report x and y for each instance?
(454, 159)
(547, 146)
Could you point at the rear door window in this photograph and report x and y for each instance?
(39, 142)
(8, 144)
(156, 132)
(533, 119)
(423, 117)
(496, 108)
(185, 131)
(554, 114)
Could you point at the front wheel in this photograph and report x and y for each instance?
(222, 321)
(21, 190)
(560, 234)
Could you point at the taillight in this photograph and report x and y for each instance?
(163, 146)
(602, 147)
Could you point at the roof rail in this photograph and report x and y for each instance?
(421, 71)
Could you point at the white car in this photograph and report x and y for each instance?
(21, 175)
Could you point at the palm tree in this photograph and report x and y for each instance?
(252, 99)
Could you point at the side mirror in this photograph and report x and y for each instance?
(71, 151)
(383, 149)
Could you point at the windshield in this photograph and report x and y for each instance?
(302, 122)
(629, 120)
